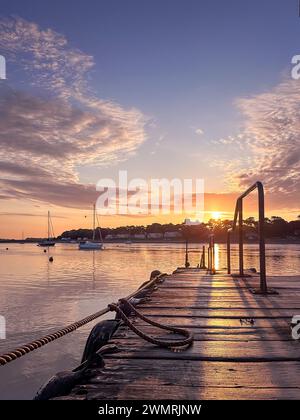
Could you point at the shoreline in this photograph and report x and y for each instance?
(161, 241)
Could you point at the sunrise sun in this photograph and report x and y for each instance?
(216, 215)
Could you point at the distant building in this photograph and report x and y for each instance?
(155, 235)
(65, 239)
(108, 237)
(189, 222)
(122, 236)
(172, 235)
(140, 236)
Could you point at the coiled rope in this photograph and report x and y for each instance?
(27, 348)
(161, 343)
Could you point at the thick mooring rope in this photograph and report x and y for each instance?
(27, 348)
(161, 343)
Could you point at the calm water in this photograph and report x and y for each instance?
(37, 297)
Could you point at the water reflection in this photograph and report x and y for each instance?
(217, 257)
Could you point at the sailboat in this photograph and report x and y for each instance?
(93, 244)
(49, 241)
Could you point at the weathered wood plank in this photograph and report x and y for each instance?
(220, 304)
(266, 323)
(201, 374)
(241, 351)
(220, 313)
(207, 334)
(155, 391)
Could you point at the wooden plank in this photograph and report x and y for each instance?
(220, 304)
(219, 313)
(210, 334)
(155, 391)
(201, 374)
(205, 322)
(283, 301)
(240, 351)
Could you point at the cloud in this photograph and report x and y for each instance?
(57, 125)
(199, 131)
(14, 214)
(272, 133)
(269, 144)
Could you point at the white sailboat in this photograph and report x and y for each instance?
(93, 244)
(49, 241)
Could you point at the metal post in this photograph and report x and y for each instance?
(203, 255)
(213, 259)
(262, 247)
(241, 238)
(48, 225)
(228, 252)
(187, 264)
(211, 264)
(208, 258)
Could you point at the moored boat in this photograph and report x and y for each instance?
(49, 241)
(93, 244)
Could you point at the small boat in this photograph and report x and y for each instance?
(49, 241)
(90, 245)
(46, 243)
(93, 244)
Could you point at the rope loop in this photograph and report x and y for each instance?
(161, 343)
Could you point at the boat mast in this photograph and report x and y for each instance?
(48, 225)
(99, 228)
(94, 221)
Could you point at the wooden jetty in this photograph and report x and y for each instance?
(242, 349)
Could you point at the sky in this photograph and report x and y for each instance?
(162, 89)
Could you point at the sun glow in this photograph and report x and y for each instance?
(216, 215)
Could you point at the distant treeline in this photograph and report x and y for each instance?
(275, 227)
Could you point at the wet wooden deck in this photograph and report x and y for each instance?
(231, 358)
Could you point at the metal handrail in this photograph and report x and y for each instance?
(186, 263)
(202, 259)
(238, 218)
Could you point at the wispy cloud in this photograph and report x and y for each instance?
(14, 214)
(45, 137)
(272, 133)
(270, 143)
(199, 131)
